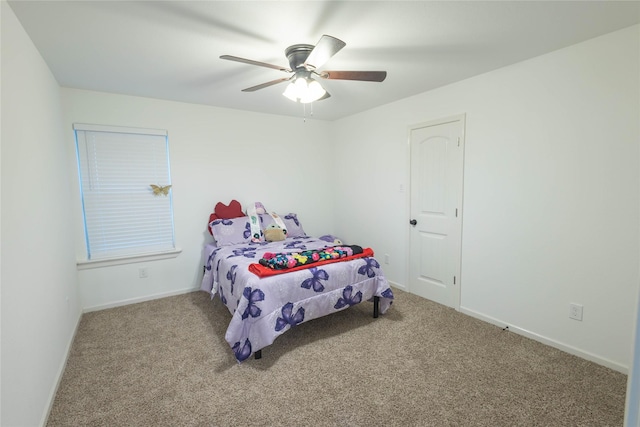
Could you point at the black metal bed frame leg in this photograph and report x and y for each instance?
(258, 354)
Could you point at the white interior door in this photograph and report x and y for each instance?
(437, 158)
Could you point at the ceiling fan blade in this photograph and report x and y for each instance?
(267, 84)
(366, 76)
(325, 49)
(252, 62)
(325, 96)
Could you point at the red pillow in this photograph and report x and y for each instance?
(234, 210)
(222, 211)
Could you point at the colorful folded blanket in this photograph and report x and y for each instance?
(281, 261)
(287, 262)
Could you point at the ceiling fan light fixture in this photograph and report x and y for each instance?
(304, 90)
(315, 91)
(290, 92)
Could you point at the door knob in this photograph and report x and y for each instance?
(413, 222)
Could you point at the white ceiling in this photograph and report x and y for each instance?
(170, 49)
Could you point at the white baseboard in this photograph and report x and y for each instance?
(138, 299)
(60, 373)
(397, 285)
(548, 341)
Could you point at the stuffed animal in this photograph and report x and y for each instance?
(259, 209)
(273, 233)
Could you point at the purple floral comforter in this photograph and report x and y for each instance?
(265, 308)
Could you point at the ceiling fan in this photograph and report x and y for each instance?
(304, 61)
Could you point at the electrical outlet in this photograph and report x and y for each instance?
(143, 273)
(575, 311)
(386, 258)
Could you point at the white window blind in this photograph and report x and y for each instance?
(122, 215)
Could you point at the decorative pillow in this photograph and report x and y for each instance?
(294, 227)
(236, 231)
(222, 211)
(212, 218)
(234, 210)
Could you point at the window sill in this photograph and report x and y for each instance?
(108, 262)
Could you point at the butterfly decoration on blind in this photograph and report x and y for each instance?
(159, 190)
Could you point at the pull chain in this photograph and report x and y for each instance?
(304, 111)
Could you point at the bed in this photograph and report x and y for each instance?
(264, 307)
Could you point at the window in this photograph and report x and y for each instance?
(123, 216)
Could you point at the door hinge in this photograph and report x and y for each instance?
(454, 280)
(456, 212)
(458, 141)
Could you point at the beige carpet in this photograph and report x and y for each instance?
(165, 363)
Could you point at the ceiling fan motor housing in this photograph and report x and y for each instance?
(297, 54)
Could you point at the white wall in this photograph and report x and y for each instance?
(216, 155)
(551, 201)
(40, 307)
